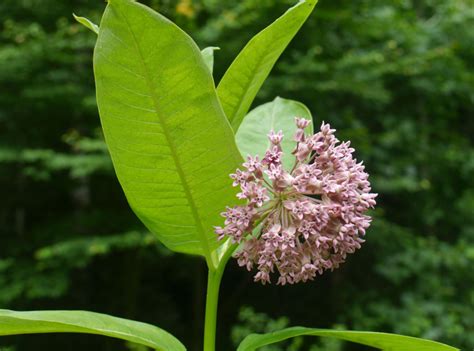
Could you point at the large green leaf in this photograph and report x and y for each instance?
(245, 76)
(276, 115)
(14, 323)
(382, 341)
(170, 142)
(207, 53)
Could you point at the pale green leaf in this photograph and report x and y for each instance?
(87, 23)
(277, 115)
(245, 76)
(382, 341)
(34, 322)
(208, 56)
(170, 142)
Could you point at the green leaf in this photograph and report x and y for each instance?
(277, 115)
(87, 23)
(34, 322)
(382, 341)
(208, 56)
(207, 53)
(245, 76)
(170, 142)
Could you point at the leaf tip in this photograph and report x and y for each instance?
(86, 23)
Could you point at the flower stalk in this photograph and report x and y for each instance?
(212, 299)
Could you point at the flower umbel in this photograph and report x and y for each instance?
(299, 223)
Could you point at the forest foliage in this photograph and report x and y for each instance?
(396, 78)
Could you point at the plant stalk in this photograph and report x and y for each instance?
(212, 299)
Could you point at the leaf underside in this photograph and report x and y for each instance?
(382, 341)
(170, 142)
(14, 323)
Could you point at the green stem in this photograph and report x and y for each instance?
(213, 284)
(212, 299)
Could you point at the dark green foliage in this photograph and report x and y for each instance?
(394, 77)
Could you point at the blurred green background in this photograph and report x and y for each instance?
(395, 77)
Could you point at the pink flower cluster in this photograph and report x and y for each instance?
(302, 222)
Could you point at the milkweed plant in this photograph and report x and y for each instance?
(286, 199)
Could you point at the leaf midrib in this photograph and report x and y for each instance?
(201, 233)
